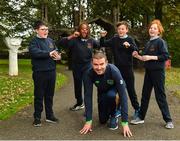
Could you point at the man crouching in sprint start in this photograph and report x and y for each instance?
(109, 82)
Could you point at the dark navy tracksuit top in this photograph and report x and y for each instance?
(81, 50)
(122, 55)
(110, 79)
(39, 49)
(156, 47)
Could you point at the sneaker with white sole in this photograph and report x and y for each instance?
(77, 107)
(113, 123)
(52, 119)
(136, 114)
(169, 125)
(137, 121)
(37, 122)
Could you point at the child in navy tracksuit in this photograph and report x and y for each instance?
(43, 53)
(109, 82)
(122, 47)
(155, 55)
(81, 46)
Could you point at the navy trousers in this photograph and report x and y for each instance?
(44, 85)
(128, 76)
(106, 105)
(154, 79)
(79, 71)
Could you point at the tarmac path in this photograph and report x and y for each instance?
(19, 127)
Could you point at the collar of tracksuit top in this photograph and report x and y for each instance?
(153, 38)
(84, 40)
(123, 37)
(39, 37)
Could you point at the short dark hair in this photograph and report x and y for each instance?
(99, 54)
(38, 24)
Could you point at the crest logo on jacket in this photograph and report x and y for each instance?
(110, 82)
(51, 45)
(89, 45)
(152, 48)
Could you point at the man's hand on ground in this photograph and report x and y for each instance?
(87, 128)
(126, 131)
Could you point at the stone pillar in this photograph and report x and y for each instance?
(13, 44)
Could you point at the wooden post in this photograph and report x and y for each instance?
(116, 13)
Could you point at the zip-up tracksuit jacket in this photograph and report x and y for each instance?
(108, 85)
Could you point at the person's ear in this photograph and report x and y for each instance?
(106, 61)
(36, 30)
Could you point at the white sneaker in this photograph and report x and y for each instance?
(137, 121)
(169, 125)
(77, 107)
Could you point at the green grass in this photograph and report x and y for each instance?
(17, 92)
(173, 80)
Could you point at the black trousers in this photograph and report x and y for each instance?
(79, 71)
(128, 76)
(44, 85)
(107, 105)
(154, 79)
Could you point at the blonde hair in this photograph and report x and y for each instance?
(123, 23)
(159, 25)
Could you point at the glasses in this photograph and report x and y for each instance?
(44, 29)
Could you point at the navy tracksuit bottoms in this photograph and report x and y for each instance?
(154, 79)
(44, 85)
(106, 105)
(128, 76)
(79, 71)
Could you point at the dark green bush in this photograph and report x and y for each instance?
(172, 37)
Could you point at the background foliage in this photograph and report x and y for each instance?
(17, 17)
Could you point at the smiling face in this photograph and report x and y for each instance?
(84, 30)
(42, 31)
(99, 65)
(154, 30)
(122, 30)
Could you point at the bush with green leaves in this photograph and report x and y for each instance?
(172, 37)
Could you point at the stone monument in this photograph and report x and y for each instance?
(13, 44)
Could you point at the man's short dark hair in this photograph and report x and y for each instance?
(38, 24)
(99, 54)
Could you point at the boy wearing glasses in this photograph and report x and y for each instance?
(43, 55)
(108, 80)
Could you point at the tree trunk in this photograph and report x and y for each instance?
(44, 12)
(158, 9)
